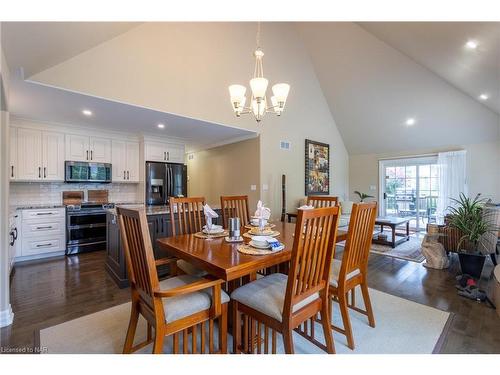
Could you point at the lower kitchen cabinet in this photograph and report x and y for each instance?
(159, 226)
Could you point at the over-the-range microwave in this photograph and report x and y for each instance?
(81, 171)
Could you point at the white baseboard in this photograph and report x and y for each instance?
(6, 317)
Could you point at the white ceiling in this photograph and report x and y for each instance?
(42, 103)
(440, 47)
(372, 88)
(373, 76)
(37, 46)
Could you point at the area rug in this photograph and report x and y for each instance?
(402, 326)
(408, 250)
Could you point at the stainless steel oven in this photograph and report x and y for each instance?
(86, 227)
(80, 171)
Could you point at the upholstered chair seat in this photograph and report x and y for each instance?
(181, 306)
(267, 295)
(335, 272)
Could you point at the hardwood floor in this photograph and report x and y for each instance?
(46, 293)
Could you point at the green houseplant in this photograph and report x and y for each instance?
(466, 215)
(362, 196)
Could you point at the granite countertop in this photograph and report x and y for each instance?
(35, 206)
(150, 210)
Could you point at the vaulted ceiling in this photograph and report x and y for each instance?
(374, 76)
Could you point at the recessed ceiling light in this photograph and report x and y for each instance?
(410, 122)
(484, 97)
(471, 44)
(161, 126)
(87, 112)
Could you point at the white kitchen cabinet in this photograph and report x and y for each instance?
(125, 160)
(77, 147)
(13, 154)
(43, 233)
(29, 155)
(40, 155)
(53, 156)
(100, 150)
(164, 152)
(84, 148)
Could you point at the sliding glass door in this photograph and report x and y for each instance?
(409, 188)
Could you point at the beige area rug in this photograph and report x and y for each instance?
(408, 250)
(402, 326)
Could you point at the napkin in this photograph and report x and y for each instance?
(209, 215)
(262, 212)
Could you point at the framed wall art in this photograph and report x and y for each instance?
(317, 181)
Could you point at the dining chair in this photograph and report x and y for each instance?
(318, 201)
(176, 306)
(187, 217)
(235, 206)
(281, 303)
(351, 271)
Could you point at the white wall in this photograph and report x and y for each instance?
(6, 314)
(483, 172)
(185, 68)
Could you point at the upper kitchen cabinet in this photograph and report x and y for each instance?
(125, 160)
(164, 152)
(84, 148)
(13, 154)
(40, 155)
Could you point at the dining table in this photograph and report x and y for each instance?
(222, 259)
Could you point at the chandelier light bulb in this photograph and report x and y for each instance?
(280, 91)
(259, 87)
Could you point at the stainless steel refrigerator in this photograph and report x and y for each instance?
(165, 180)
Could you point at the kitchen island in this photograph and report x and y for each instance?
(159, 224)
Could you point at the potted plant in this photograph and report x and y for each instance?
(362, 196)
(466, 215)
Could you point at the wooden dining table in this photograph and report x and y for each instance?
(223, 260)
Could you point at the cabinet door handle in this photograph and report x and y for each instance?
(39, 172)
(15, 234)
(13, 239)
(44, 172)
(44, 213)
(44, 245)
(124, 175)
(91, 155)
(47, 227)
(11, 171)
(87, 154)
(128, 175)
(164, 155)
(168, 155)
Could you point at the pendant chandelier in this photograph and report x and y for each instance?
(258, 84)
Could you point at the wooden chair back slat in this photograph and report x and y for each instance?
(138, 252)
(235, 206)
(189, 213)
(359, 238)
(320, 201)
(312, 252)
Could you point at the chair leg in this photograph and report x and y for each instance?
(236, 328)
(132, 325)
(158, 344)
(327, 331)
(345, 319)
(223, 330)
(288, 340)
(368, 304)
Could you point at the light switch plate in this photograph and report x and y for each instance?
(265, 187)
(253, 187)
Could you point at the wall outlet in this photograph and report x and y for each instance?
(265, 187)
(373, 187)
(190, 156)
(253, 187)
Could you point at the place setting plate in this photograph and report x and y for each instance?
(259, 248)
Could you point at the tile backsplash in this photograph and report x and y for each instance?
(25, 193)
